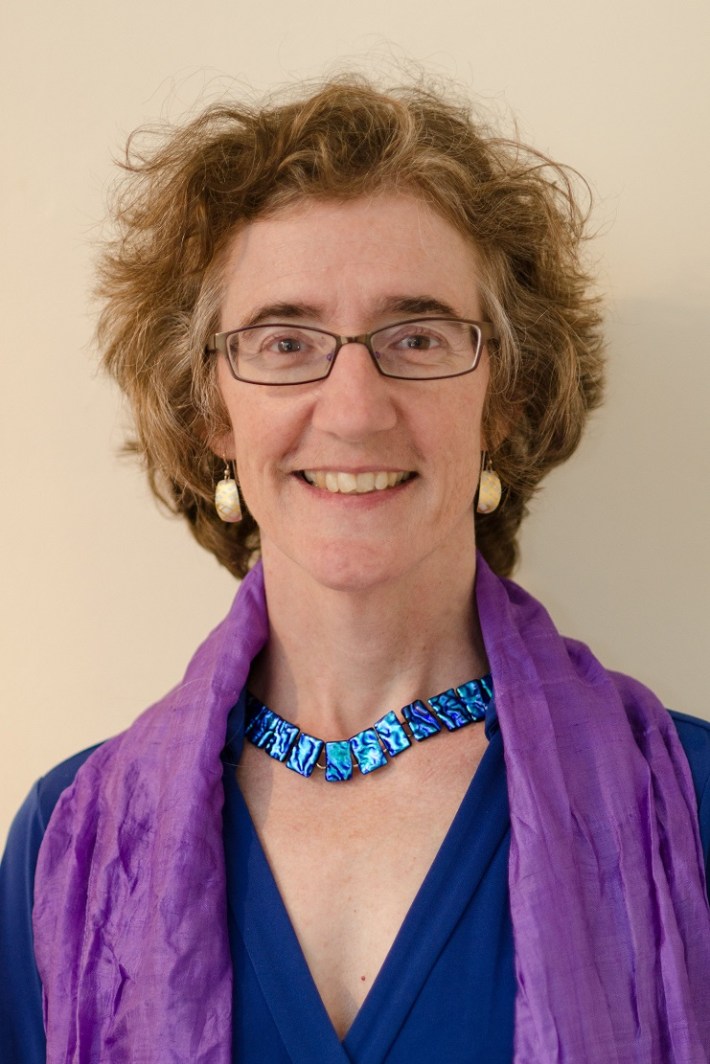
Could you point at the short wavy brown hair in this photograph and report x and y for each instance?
(189, 188)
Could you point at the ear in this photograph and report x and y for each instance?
(494, 434)
(498, 424)
(219, 436)
(222, 446)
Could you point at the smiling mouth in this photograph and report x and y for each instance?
(354, 483)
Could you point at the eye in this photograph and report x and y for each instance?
(413, 338)
(289, 345)
(419, 341)
(279, 342)
(273, 340)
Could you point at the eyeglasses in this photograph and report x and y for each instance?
(418, 349)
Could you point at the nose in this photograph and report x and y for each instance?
(355, 401)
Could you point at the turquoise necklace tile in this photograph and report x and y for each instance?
(373, 747)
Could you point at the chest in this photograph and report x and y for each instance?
(349, 859)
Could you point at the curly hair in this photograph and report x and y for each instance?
(188, 189)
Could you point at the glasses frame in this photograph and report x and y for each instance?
(218, 344)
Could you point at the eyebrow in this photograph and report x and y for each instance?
(276, 312)
(418, 305)
(285, 311)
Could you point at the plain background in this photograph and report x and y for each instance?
(104, 598)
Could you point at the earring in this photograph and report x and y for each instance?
(226, 496)
(489, 487)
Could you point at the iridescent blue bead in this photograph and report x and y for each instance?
(338, 761)
(366, 747)
(392, 734)
(304, 754)
(476, 695)
(259, 719)
(451, 709)
(421, 722)
(272, 733)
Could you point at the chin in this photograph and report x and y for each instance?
(353, 568)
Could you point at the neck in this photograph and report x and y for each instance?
(336, 660)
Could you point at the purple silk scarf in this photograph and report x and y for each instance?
(610, 914)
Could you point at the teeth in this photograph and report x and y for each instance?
(354, 483)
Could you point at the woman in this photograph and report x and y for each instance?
(362, 318)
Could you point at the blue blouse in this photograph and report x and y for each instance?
(446, 990)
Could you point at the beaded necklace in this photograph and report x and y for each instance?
(371, 747)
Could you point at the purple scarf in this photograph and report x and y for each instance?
(610, 914)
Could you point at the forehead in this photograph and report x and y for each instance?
(348, 258)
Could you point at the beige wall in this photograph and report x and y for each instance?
(103, 598)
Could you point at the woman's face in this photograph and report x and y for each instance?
(349, 268)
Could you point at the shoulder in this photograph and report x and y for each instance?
(21, 1027)
(694, 735)
(34, 814)
(27, 831)
(47, 790)
(30, 823)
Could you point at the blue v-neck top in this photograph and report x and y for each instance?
(446, 989)
(445, 992)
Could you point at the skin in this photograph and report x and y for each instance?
(376, 586)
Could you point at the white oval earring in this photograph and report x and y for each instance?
(226, 496)
(489, 487)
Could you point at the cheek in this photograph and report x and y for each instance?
(241, 407)
(465, 471)
(241, 443)
(464, 424)
(263, 436)
(465, 465)
(248, 449)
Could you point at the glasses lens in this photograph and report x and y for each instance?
(280, 354)
(429, 347)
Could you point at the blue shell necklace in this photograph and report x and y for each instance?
(371, 747)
